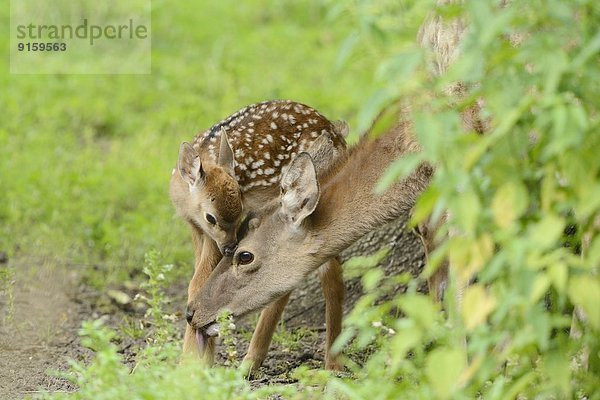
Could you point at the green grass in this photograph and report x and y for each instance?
(85, 161)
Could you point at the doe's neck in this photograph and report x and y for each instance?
(349, 207)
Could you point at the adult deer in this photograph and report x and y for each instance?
(230, 170)
(312, 221)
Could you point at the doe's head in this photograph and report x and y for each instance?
(274, 256)
(214, 203)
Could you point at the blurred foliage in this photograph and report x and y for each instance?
(85, 163)
(524, 201)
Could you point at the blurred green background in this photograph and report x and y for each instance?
(85, 161)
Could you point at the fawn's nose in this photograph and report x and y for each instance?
(229, 250)
(189, 314)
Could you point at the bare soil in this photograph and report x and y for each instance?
(38, 331)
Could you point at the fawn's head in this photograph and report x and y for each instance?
(214, 203)
(274, 257)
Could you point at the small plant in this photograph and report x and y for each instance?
(132, 328)
(227, 334)
(157, 273)
(290, 339)
(7, 282)
(101, 374)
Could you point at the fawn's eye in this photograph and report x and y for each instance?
(245, 257)
(210, 219)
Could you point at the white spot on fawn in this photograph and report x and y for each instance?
(273, 125)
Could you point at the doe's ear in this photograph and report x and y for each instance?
(226, 159)
(299, 189)
(189, 165)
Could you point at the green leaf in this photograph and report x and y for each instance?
(558, 274)
(420, 308)
(509, 203)
(546, 232)
(372, 278)
(539, 288)
(467, 211)
(425, 205)
(443, 368)
(404, 340)
(593, 254)
(476, 306)
(557, 367)
(592, 47)
(385, 120)
(584, 291)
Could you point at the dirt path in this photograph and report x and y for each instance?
(38, 331)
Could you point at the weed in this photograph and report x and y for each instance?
(157, 273)
(291, 339)
(132, 328)
(226, 333)
(7, 283)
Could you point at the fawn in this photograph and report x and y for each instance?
(232, 169)
(312, 221)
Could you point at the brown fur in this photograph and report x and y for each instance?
(347, 209)
(260, 148)
(223, 194)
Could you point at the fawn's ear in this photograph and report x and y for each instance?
(341, 128)
(299, 190)
(323, 153)
(189, 165)
(226, 159)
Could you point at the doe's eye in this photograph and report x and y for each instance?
(245, 257)
(210, 219)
